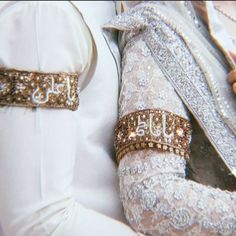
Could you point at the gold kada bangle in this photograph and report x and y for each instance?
(152, 129)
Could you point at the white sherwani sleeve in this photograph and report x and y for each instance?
(38, 146)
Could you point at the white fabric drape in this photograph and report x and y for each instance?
(56, 164)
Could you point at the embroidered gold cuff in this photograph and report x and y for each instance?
(155, 129)
(36, 89)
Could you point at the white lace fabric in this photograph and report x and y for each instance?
(157, 198)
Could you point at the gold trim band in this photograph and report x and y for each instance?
(155, 129)
(37, 89)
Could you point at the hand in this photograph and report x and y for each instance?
(232, 74)
(232, 79)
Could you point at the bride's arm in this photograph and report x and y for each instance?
(157, 198)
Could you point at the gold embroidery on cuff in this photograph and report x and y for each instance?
(37, 89)
(155, 129)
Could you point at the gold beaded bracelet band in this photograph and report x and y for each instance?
(37, 89)
(155, 129)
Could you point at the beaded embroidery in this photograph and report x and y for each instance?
(156, 197)
(155, 129)
(36, 89)
(170, 49)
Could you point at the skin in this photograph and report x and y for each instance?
(230, 8)
(232, 75)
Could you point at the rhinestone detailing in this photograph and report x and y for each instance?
(36, 89)
(225, 14)
(185, 68)
(156, 198)
(155, 129)
(202, 105)
(158, 202)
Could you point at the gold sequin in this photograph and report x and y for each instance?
(37, 89)
(155, 129)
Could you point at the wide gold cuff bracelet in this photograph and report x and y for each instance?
(36, 89)
(152, 129)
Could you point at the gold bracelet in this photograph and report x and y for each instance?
(155, 129)
(37, 89)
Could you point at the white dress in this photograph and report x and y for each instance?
(58, 174)
(158, 198)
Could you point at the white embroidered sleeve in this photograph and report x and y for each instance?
(157, 198)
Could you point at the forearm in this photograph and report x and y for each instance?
(159, 202)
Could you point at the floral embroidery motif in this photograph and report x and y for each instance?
(171, 51)
(157, 198)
